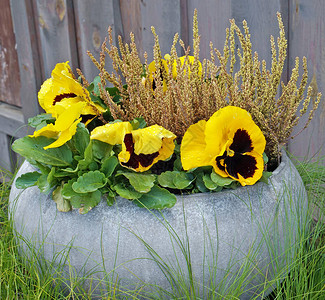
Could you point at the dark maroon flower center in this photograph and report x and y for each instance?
(136, 160)
(60, 97)
(238, 163)
(154, 86)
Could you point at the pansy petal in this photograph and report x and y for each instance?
(190, 60)
(49, 131)
(230, 141)
(63, 87)
(65, 135)
(144, 147)
(247, 169)
(46, 96)
(150, 139)
(167, 149)
(193, 146)
(112, 133)
(223, 125)
(68, 117)
(152, 71)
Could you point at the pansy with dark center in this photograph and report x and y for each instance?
(229, 141)
(137, 160)
(141, 148)
(62, 90)
(60, 97)
(234, 161)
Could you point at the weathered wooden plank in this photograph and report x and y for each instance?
(5, 153)
(9, 71)
(131, 22)
(307, 27)
(165, 17)
(29, 69)
(92, 20)
(262, 21)
(12, 121)
(55, 22)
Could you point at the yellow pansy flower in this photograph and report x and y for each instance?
(163, 71)
(229, 141)
(141, 148)
(61, 91)
(190, 60)
(144, 147)
(64, 127)
(111, 133)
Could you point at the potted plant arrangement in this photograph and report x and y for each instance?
(173, 143)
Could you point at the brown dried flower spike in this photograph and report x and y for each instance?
(192, 95)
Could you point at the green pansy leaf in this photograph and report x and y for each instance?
(178, 164)
(70, 170)
(88, 158)
(265, 158)
(265, 177)
(157, 198)
(85, 202)
(138, 123)
(234, 185)
(97, 84)
(67, 191)
(51, 177)
(43, 184)
(115, 93)
(93, 166)
(47, 181)
(108, 166)
(101, 150)
(43, 168)
(110, 200)
(61, 203)
(32, 148)
(211, 185)
(40, 119)
(199, 183)
(89, 182)
(90, 87)
(66, 172)
(165, 179)
(81, 139)
(182, 180)
(219, 180)
(27, 180)
(126, 191)
(141, 182)
(175, 179)
(110, 197)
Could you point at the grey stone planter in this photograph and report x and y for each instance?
(226, 233)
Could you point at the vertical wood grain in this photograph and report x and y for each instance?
(92, 21)
(165, 17)
(27, 51)
(262, 21)
(55, 20)
(213, 19)
(132, 22)
(307, 28)
(5, 153)
(9, 71)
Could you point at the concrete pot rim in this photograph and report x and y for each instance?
(239, 220)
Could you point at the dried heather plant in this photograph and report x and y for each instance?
(255, 89)
(176, 102)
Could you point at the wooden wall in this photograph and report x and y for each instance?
(39, 33)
